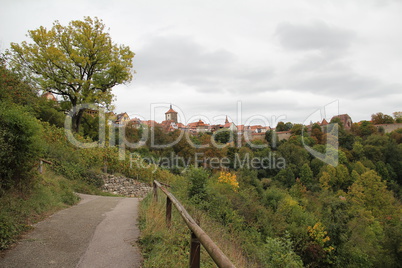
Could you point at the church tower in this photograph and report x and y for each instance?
(226, 121)
(171, 115)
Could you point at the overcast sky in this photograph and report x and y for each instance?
(276, 59)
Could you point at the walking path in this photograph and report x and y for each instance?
(98, 232)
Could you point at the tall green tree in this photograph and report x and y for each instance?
(397, 116)
(281, 126)
(79, 62)
(380, 118)
(306, 175)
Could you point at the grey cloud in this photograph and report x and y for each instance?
(181, 59)
(318, 63)
(316, 36)
(343, 84)
(327, 75)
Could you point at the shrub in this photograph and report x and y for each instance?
(20, 146)
(198, 181)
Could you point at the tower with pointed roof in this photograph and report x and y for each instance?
(226, 121)
(171, 115)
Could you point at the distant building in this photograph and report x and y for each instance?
(150, 123)
(169, 125)
(49, 96)
(91, 112)
(135, 123)
(122, 119)
(171, 115)
(197, 127)
(230, 125)
(346, 120)
(323, 125)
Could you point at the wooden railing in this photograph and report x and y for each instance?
(197, 234)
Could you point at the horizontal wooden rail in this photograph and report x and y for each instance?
(213, 250)
(40, 167)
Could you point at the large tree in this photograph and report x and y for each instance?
(380, 118)
(78, 62)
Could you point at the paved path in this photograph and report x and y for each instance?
(98, 232)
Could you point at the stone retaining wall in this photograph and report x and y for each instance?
(125, 186)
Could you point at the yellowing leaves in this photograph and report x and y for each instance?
(318, 234)
(229, 178)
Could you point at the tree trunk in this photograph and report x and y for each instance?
(77, 120)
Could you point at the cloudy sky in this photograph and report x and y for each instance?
(275, 59)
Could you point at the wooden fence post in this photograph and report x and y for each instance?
(168, 212)
(195, 251)
(155, 192)
(40, 166)
(198, 236)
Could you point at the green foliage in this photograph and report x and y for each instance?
(380, 118)
(272, 138)
(281, 126)
(286, 177)
(78, 62)
(398, 117)
(306, 175)
(198, 180)
(298, 129)
(223, 136)
(370, 192)
(49, 111)
(20, 146)
(364, 129)
(12, 89)
(278, 252)
(163, 247)
(294, 155)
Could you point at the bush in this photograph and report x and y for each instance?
(278, 252)
(198, 182)
(20, 146)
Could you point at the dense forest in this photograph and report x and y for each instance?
(301, 212)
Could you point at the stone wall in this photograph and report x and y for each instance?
(388, 128)
(283, 135)
(125, 186)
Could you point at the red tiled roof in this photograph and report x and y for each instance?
(256, 127)
(200, 123)
(171, 111)
(150, 123)
(240, 127)
(49, 96)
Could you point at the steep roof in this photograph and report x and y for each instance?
(200, 123)
(324, 122)
(121, 115)
(49, 95)
(171, 110)
(150, 123)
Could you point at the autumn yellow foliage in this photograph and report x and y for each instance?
(229, 178)
(319, 235)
